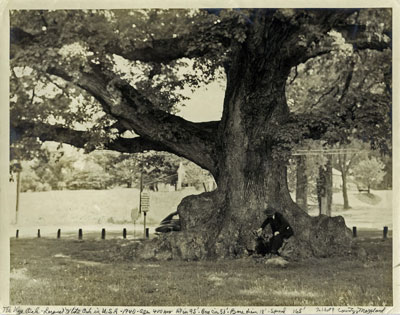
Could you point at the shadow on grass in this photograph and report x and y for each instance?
(368, 198)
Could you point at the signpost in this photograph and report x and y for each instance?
(144, 207)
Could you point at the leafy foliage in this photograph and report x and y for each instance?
(340, 89)
(61, 168)
(55, 169)
(30, 181)
(369, 172)
(347, 92)
(154, 167)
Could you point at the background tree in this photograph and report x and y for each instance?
(307, 170)
(57, 168)
(126, 172)
(301, 182)
(89, 176)
(155, 167)
(30, 181)
(333, 82)
(160, 167)
(121, 70)
(325, 187)
(54, 168)
(344, 162)
(369, 172)
(348, 156)
(387, 181)
(197, 177)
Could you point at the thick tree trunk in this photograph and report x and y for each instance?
(250, 174)
(301, 183)
(346, 204)
(344, 165)
(321, 190)
(324, 189)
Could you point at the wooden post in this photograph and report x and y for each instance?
(59, 233)
(144, 222)
(140, 191)
(80, 234)
(124, 233)
(18, 192)
(354, 231)
(103, 234)
(329, 185)
(38, 233)
(385, 232)
(17, 234)
(147, 232)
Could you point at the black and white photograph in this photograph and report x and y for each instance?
(198, 159)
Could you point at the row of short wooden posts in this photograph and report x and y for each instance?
(124, 233)
(80, 233)
(385, 231)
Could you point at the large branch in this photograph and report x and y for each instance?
(194, 141)
(46, 132)
(303, 32)
(309, 29)
(162, 50)
(361, 39)
(79, 138)
(189, 45)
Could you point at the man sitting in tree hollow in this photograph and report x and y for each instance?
(281, 230)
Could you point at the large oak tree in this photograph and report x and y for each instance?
(89, 77)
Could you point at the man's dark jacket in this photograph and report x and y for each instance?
(278, 223)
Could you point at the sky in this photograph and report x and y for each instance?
(205, 104)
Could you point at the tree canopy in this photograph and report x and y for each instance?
(78, 74)
(369, 172)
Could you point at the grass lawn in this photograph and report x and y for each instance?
(91, 207)
(95, 272)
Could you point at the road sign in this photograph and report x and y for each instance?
(144, 202)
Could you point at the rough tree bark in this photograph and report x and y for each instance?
(324, 188)
(346, 204)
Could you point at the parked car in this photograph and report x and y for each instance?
(170, 223)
